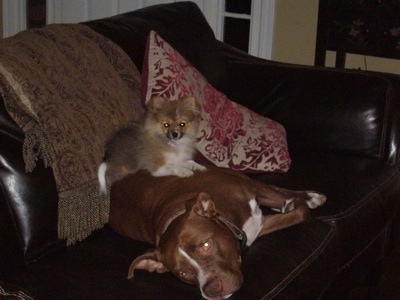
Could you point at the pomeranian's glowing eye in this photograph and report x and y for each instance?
(182, 124)
(166, 125)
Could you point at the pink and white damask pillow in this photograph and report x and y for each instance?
(230, 135)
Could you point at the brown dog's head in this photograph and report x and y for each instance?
(199, 250)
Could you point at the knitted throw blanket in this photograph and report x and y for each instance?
(69, 88)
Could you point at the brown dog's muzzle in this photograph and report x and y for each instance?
(213, 288)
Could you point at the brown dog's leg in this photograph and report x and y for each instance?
(269, 195)
(282, 199)
(275, 222)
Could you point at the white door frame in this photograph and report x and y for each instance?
(14, 16)
(261, 24)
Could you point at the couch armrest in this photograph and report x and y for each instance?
(28, 201)
(322, 109)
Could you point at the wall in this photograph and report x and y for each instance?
(1, 18)
(294, 34)
(73, 11)
(295, 37)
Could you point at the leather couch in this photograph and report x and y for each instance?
(343, 134)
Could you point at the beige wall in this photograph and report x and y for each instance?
(295, 35)
(1, 18)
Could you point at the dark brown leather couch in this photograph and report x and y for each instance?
(343, 134)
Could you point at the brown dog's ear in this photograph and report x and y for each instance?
(149, 261)
(154, 104)
(204, 206)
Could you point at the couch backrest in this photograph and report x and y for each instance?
(28, 201)
(323, 110)
(181, 24)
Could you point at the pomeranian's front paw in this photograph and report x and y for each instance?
(199, 168)
(194, 166)
(183, 172)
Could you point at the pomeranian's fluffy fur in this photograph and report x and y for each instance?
(163, 144)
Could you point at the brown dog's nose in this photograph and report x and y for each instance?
(213, 288)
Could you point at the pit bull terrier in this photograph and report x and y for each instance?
(200, 224)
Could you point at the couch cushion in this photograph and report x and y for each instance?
(362, 195)
(97, 268)
(11, 292)
(230, 135)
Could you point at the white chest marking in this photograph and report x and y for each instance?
(177, 157)
(254, 224)
(178, 161)
(182, 151)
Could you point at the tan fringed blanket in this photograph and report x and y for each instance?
(69, 88)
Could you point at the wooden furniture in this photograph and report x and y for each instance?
(366, 27)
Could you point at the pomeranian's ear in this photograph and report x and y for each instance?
(191, 102)
(155, 104)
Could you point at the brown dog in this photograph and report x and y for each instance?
(199, 224)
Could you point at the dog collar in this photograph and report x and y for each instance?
(237, 232)
(166, 225)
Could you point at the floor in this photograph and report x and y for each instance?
(390, 278)
(389, 287)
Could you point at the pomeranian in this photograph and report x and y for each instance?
(164, 144)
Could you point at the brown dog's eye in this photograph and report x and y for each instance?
(206, 246)
(187, 276)
(166, 125)
(182, 124)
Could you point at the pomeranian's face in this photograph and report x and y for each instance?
(173, 118)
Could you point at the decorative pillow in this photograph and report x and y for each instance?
(230, 135)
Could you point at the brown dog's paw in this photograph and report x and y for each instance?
(315, 200)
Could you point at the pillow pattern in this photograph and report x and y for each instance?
(230, 135)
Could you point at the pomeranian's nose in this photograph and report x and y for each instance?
(174, 135)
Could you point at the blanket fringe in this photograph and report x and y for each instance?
(81, 213)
